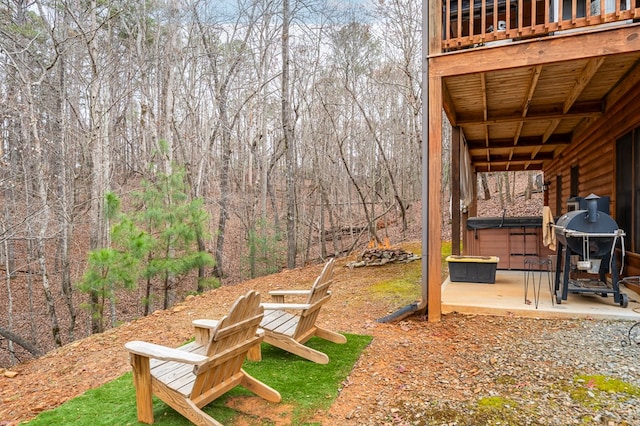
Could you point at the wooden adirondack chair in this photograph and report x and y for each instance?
(190, 377)
(289, 325)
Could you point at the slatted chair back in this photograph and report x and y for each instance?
(318, 296)
(227, 349)
(190, 377)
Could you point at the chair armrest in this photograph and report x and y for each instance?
(211, 324)
(275, 306)
(163, 353)
(289, 292)
(205, 323)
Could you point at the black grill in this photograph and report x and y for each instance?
(591, 237)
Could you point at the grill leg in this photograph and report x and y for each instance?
(566, 270)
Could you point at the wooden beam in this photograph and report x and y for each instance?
(483, 88)
(585, 77)
(434, 245)
(529, 141)
(535, 151)
(505, 167)
(532, 88)
(527, 102)
(539, 51)
(518, 131)
(447, 105)
(497, 165)
(553, 124)
(513, 157)
(515, 118)
(631, 80)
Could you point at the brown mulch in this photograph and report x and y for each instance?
(67, 372)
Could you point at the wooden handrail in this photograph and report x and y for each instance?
(471, 23)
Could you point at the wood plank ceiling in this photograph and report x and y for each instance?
(518, 118)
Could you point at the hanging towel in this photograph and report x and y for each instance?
(548, 234)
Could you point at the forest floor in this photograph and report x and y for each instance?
(396, 357)
(67, 372)
(388, 365)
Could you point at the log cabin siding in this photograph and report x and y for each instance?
(593, 150)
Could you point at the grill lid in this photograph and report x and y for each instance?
(590, 221)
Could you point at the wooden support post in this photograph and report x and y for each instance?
(456, 143)
(434, 251)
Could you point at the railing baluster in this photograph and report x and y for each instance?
(495, 18)
(533, 15)
(560, 13)
(471, 19)
(520, 8)
(483, 18)
(546, 14)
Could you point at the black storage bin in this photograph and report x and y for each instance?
(473, 269)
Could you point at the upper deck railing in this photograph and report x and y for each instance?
(469, 23)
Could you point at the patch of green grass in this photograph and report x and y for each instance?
(496, 410)
(445, 251)
(495, 403)
(407, 287)
(304, 385)
(607, 384)
(590, 390)
(404, 288)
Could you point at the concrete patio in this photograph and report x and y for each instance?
(506, 297)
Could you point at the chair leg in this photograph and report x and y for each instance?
(329, 335)
(259, 388)
(184, 405)
(255, 353)
(197, 416)
(142, 382)
(290, 345)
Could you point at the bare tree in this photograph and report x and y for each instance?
(29, 73)
(485, 186)
(289, 141)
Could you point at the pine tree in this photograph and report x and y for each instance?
(115, 267)
(174, 223)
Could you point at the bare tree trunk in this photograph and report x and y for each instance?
(485, 186)
(529, 190)
(12, 337)
(321, 231)
(221, 82)
(310, 220)
(7, 266)
(64, 199)
(289, 141)
(500, 184)
(385, 162)
(224, 184)
(43, 221)
(147, 297)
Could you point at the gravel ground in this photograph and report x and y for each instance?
(500, 371)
